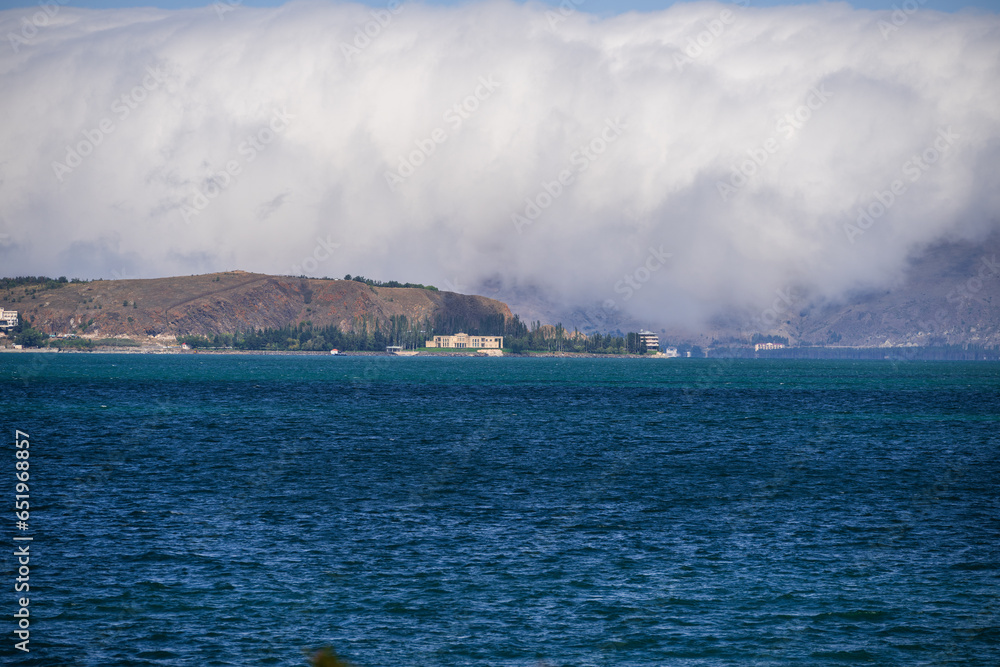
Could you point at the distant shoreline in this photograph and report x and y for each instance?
(892, 354)
(321, 353)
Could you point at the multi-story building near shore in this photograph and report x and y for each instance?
(767, 346)
(651, 340)
(462, 340)
(8, 318)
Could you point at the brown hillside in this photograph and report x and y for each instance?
(231, 301)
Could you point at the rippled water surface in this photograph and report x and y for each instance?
(236, 510)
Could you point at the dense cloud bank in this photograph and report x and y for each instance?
(669, 164)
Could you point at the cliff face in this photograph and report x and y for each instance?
(231, 301)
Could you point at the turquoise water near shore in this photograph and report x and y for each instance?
(235, 510)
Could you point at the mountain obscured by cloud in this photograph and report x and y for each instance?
(667, 166)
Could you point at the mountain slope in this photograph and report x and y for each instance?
(950, 295)
(233, 301)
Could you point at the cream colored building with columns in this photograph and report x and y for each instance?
(462, 340)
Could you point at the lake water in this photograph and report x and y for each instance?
(240, 509)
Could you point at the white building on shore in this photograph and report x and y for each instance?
(8, 318)
(651, 340)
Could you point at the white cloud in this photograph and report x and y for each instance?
(185, 102)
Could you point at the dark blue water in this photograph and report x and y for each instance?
(238, 510)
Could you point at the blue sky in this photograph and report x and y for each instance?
(603, 7)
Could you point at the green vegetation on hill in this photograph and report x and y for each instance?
(520, 338)
(389, 283)
(39, 282)
(90, 343)
(70, 343)
(31, 285)
(375, 335)
(368, 335)
(27, 336)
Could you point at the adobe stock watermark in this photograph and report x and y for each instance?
(223, 7)
(714, 28)
(787, 125)
(900, 15)
(121, 109)
(248, 150)
(912, 170)
(455, 116)
(22, 551)
(30, 27)
(364, 34)
(579, 162)
(322, 252)
(566, 9)
(633, 282)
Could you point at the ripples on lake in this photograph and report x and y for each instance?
(235, 510)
